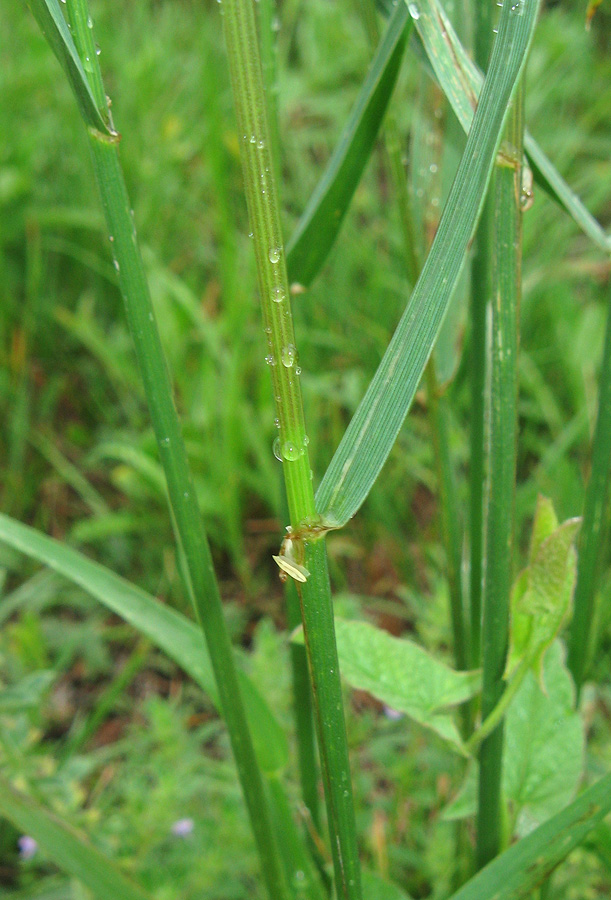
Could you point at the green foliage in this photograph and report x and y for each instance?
(541, 597)
(404, 676)
(544, 740)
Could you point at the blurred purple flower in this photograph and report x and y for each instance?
(27, 846)
(393, 714)
(182, 827)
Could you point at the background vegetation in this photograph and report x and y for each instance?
(103, 734)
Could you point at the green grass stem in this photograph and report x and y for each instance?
(480, 297)
(449, 514)
(186, 515)
(506, 281)
(291, 444)
(595, 515)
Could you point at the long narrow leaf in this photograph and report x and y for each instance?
(320, 223)
(376, 423)
(172, 632)
(515, 873)
(66, 847)
(55, 29)
(461, 82)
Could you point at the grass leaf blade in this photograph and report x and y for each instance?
(55, 29)
(67, 848)
(168, 629)
(320, 223)
(376, 423)
(517, 871)
(461, 82)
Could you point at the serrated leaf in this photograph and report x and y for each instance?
(376, 423)
(55, 29)
(67, 847)
(172, 632)
(404, 676)
(544, 747)
(461, 82)
(320, 223)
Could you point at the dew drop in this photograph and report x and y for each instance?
(116, 265)
(277, 422)
(276, 448)
(291, 451)
(261, 145)
(274, 255)
(413, 10)
(97, 50)
(253, 139)
(297, 370)
(288, 355)
(433, 168)
(278, 294)
(269, 359)
(89, 22)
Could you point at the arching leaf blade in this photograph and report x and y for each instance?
(461, 82)
(168, 629)
(372, 432)
(517, 871)
(66, 846)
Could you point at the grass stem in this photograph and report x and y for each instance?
(291, 444)
(507, 194)
(191, 537)
(595, 514)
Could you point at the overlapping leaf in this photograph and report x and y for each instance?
(542, 765)
(461, 81)
(404, 676)
(376, 423)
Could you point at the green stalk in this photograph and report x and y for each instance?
(191, 537)
(593, 527)
(449, 514)
(507, 194)
(291, 445)
(480, 295)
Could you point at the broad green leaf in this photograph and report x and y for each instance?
(27, 693)
(319, 225)
(544, 747)
(376, 423)
(172, 632)
(461, 82)
(66, 846)
(541, 598)
(519, 870)
(403, 676)
(55, 29)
